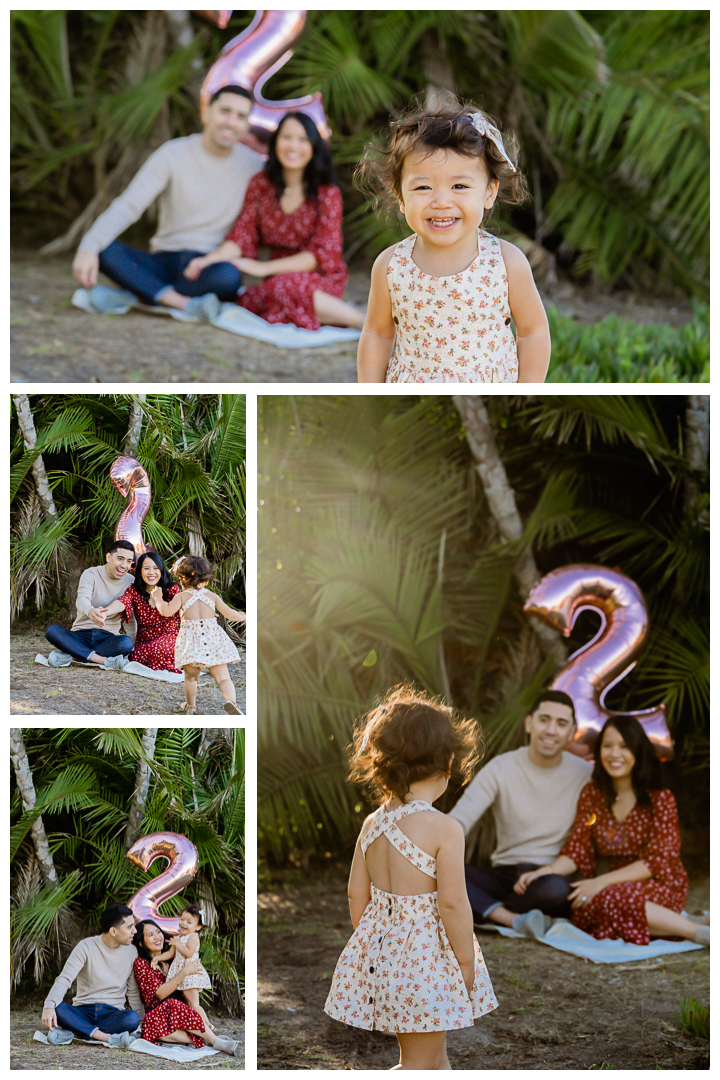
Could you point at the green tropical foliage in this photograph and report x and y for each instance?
(84, 781)
(193, 448)
(379, 561)
(612, 109)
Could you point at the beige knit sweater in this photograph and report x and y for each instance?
(104, 976)
(96, 589)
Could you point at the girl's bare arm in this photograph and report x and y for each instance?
(115, 608)
(227, 611)
(166, 607)
(378, 334)
(358, 885)
(526, 307)
(453, 903)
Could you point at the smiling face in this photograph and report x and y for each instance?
(550, 727)
(118, 563)
(153, 938)
(225, 122)
(150, 573)
(293, 147)
(189, 924)
(444, 196)
(616, 758)
(124, 933)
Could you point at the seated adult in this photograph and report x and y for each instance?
(103, 967)
(168, 1017)
(155, 641)
(199, 182)
(625, 814)
(532, 793)
(93, 636)
(294, 207)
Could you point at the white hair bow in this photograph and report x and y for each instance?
(484, 127)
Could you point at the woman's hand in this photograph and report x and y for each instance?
(196, 266)
(468, 974)
(191, 967)
(155, 963)
(584, 891)
(525, 879)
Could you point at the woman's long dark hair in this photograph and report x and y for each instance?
(166, 582)
(318, 171)
(646, 775)
(145, 954)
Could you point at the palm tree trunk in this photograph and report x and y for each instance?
(209, 736)
(132, 439)
(27, 426)
(697, 444)
(142, 782)
(501, 499)
(24, 780)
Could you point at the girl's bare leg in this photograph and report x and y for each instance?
(423, 1050)
(329, 309)
(222, 678)
(206, 1022)
(192, 996)
(192, 674)
(662, 922)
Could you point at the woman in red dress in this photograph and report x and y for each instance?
(627, 815)
(293, 207)
(155, 641)
(168, 1017)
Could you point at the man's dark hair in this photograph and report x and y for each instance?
(114, 916)
(239, 90)
(116, 544)
(559, 696)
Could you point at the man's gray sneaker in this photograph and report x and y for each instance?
(123, 1040)
(59, 1036)
(59, 659)
(116, 663)
(205, 308)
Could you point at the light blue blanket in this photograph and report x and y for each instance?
(561, 934)
(107, 300)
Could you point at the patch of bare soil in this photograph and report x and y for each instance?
(81, 691)
(25, 1053)
(556, 1011)
(51, 341)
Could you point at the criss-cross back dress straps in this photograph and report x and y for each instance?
(386, 824)
(201, 595)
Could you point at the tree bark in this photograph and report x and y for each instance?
(132, 439)
(142, 782)
(697, 445)
(24, 780)
(501, 500)
(27, 427)
(209, 736)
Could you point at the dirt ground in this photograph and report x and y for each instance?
(51, 341)
(556, 1011)
(83, 691)
(25, 1053)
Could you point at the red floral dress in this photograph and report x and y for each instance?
(164, 1017)
(618, 911)
(315, 226)
(155, 642)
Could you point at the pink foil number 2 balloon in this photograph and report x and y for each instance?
(182, 858)
(593, 670)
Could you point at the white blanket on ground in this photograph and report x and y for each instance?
(171, 1051)
(228, 317)
(562, 935)
(133, 668)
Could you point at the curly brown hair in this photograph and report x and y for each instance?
(192, 570)
(408, 737)
(447, 126)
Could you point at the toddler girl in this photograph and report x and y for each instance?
(200, 644)
(413, 967)
(447, 295)
(186, 946)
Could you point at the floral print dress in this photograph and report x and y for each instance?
(201, 642)
(618, 911)
(452, 329)
(316, 226)
(155, 641)
(163, 1017)
(398, 972)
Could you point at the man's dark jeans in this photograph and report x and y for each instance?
(83, 1019)
(149, 274)
(490, 886)
(80, 643)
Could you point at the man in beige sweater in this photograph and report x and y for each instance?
(533, 794)
(95, 636)
(103, 967)
(200, 183)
